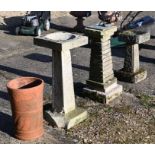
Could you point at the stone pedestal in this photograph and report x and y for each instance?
(64, 113)
(131, 72)
(101, 85)
(80, 24)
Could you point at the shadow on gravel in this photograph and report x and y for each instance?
(25, 73)
(39, 57)
(61, 28)
(120, 52)
(78, 89)
(146, 46)
(147, 60)
(47, 58)
(152, 37)
(80, 67)
(6, 124)
(4, 95)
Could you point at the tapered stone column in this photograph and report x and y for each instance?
(131, 61)
(101, 85)
(132, 72)
(64, 112)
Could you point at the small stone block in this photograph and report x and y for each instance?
(131, 77)
(140, 76)
(143, 38)
(75, 117)
(68, 120)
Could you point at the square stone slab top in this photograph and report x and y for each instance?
(134, 37)
(99, 30)
(61, 40)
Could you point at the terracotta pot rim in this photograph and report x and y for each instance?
(24, 77)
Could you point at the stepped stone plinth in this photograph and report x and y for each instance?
(101, 85)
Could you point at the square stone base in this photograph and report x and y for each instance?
(131, 77)
(101, 96)
(66, 121)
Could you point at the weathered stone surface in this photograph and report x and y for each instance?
(134, 37)
(131, 62)
(63, 91)
(107, 63)
(107, 57)
(114, 91)
(100, 64)
(142, 75)
(73, 41)
(101, 86)
(99, 33)
(131, 71)
(68, 120)
(106, 43)
(143, 38)
(131, 77)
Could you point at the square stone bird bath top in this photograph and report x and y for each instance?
(61, 40)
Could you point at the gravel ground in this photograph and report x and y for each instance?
(126, 120)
